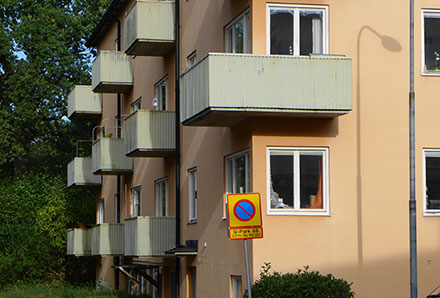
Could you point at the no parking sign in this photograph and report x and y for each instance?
(244, 216)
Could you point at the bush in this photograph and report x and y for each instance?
(37, 209)
(302, 284)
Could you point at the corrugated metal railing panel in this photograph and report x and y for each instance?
(195, 89)
(111, 67)
(108, 155)
(258, 82)
(78, 242)
(108, 239)
(82, 100)
(150, 20)
(150, 130)
(79, 172)
(149, 236)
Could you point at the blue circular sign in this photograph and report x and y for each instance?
(244, 210)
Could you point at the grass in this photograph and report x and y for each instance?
(61, 290)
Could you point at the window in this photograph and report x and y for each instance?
(136, 201)
(432, 182)
(297, 181)
(237, 37)
(191, 59)
(192, 195)
(100, 211)
(237, 173)
(191, 279)
(431, 41)
(236, 286)
(162, 197)
(161, 95)
(137, 105)
(297, 30)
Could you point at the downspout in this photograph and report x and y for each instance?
(177, 128)
(118, 135)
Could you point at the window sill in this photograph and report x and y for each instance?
(298, 213)
(192, 222)
(432, 214)
(431, 74)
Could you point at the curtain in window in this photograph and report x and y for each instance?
(317, 204)
(317, 34)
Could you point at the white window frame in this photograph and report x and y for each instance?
(236, 286)
(192, 195)
(158, 197)
(137, 105)
(136, 193)
(424, 72)
(158, 96)
(101, 211)
(229, 34)
(297, 9)
(191, 60)
(228, 180)
(428, 153)
(325, 211)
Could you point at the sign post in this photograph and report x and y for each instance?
(244, 222)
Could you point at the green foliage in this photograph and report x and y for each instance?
(37, 209)
(302, 284)
(59, 290)
(42, 54)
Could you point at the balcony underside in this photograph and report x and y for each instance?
(87, 116)
(150, 152)
(227, 116)
(112, 172)
(149, 47)
(110, 87)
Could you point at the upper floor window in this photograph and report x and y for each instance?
(237, 173)
(297, 181)
(432, 182)
(192, 195)
(297, 30)
(136, 201)
(162, 197)
(162, 94)
(191, 59)
(137, 105)
(100, 211)
(237, 37)
(431, 42)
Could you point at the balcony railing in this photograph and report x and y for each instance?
(83, 103)
(149, 28)
(147, 236)
(78, 242)
(79, 173)
(224, 89)
(108, 157)
(150, 133)
(107, 239)
(112, 72)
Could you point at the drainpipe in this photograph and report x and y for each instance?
(177, 103)
(118, 135)
(412, 179)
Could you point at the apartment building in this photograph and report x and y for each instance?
(304, 102)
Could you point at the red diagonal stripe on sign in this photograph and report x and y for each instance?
(244, 210)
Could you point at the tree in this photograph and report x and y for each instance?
(42, 54)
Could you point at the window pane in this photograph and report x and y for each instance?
(163, 96)
(238, 36)
(311, 32)
(433, 183)
(432, 42)
(281, 32)
(240, 174)
(281, 175)
(311, 180)
(164, 198)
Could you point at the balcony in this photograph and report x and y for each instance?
(82, 103)
(108, 157)
(147, 236)
(78, 242)
(107, 239)
(79, 173)
(224, 89)
(149, 28)
(150, 133)
(112, 72)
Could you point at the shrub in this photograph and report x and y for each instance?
(302, 284)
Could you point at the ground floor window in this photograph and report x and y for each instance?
(432, 182)
(191, 279)
(297, 181)
(136, 201)
(236, 288)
